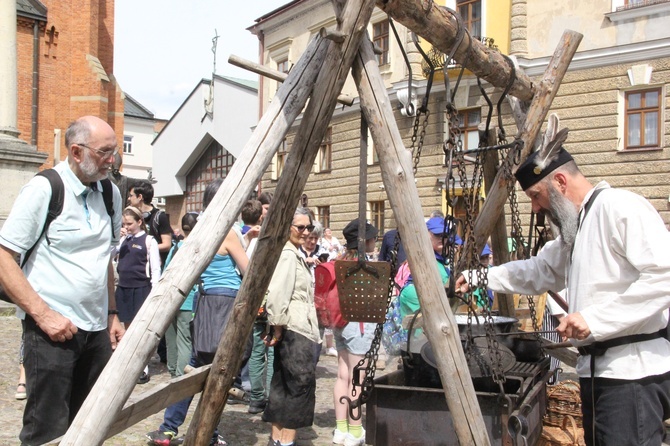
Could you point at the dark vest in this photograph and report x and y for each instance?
(132, 266)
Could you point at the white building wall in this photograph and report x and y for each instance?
(185, 137)
(136, 163)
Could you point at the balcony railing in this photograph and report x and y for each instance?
(438, 58)
(632, 5)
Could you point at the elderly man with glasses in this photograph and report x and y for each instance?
(65, 290)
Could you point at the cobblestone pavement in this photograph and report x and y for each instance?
(237, 426)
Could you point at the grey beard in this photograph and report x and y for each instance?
(564, 215)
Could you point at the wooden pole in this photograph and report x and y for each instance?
(499, 234)
(439, 27)
(301, 158)
(396, 168)
(118, 379)
(274, 74)
(545, 91)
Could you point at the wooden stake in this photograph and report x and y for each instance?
(274, 234)
(537, 112)
(396, 168)
(118, 379)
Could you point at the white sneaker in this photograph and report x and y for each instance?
(350, 440)
(339, 436)
(331, 352)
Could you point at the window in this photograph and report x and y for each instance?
(323, 215)
(376, 214)
(471, 13)
(324, 158)
(280, 160)
(643, 115)
(127, 145)
(282, 66)
(373, 157)
(215, 163)
(380, 37)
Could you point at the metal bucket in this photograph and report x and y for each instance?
(501, 324)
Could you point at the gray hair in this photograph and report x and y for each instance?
(318, 229)
(302, 211)
(77, 131)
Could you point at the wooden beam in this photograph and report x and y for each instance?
(118, 378)
(440, 326)
(163, 395)
(545, 92)
(313, 127)
(439, 27)
(274, 74)
(499, 234)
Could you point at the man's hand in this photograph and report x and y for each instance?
(574, 326)
(116, 330)
(312, 261)
(55, 325)
(461, 285)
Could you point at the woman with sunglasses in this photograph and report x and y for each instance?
(294, 332)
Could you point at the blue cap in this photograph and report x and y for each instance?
(486, 251)
(436, 226)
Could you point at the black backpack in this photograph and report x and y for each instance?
(56, 207)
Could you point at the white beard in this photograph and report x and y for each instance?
(564, 215)
(89, 168)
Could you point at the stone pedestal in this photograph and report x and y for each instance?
(19, 162)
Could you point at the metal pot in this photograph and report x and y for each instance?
(501, 324)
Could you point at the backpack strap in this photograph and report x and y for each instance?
(55, 206)
(108, 198)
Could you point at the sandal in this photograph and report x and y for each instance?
(21, 392)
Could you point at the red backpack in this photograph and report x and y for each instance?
(326, 298)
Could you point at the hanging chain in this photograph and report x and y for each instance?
(420, 136)
(369, 361)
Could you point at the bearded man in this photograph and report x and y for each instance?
(612, 257)
(65, 290)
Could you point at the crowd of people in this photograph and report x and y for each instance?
(610, 259)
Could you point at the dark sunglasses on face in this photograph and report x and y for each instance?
(301, 228)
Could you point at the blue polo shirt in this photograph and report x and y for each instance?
(70, 274)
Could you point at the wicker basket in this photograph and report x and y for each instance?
(568, 434)
(563, 400)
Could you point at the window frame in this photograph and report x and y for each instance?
(324, 159)
(380, 38)
(642, 111)
(323, 215)
(128, 145)
(376, 210)
(214, 163)
(468, 21)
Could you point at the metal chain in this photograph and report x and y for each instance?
(421, 136)
(369, 361)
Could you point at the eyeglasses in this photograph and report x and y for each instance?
(301, 228)
(103, 153)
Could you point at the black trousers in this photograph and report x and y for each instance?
(627, 412)
(59, 377)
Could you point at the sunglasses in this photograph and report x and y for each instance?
(301, 228)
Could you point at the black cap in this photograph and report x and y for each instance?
(529, 173)
(350, 232)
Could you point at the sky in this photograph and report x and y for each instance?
(163, 48)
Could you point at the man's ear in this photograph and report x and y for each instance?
(77, 152)
(561, 181)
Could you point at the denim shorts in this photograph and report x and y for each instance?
(351, 338)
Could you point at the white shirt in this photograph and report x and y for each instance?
(70, 274)
(619, 280)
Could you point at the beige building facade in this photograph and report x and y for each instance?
(614, 97)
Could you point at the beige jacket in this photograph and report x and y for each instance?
(290, 296)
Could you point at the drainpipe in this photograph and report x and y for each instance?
(261, 41)
(36, 59)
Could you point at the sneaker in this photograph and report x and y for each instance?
(159, 438)
(241, 398)
(339, 436)
(350, 440)
(331, 352)
(143, 379)
(21, 393)
(218, 441)
(257, 406)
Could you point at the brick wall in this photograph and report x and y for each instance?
(70, 83)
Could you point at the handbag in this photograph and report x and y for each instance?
(211, 316)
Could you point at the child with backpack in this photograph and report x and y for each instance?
(139, 267)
